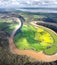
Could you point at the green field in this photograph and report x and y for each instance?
(53, 49)
(30, 38)
(39, 39)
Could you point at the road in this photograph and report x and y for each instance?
(39, 56)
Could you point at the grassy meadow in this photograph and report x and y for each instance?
(39, 39)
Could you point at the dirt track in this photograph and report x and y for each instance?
(40, 56)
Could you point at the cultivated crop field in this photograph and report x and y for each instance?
(29, 37)
(37, 39)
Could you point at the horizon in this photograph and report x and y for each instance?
(23, 5)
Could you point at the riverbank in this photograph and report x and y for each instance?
(39, 56)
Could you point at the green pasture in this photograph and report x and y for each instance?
(37, 39)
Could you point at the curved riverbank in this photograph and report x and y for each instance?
(52, 26)
(40, 56)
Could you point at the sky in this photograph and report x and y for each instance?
(28, 3)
